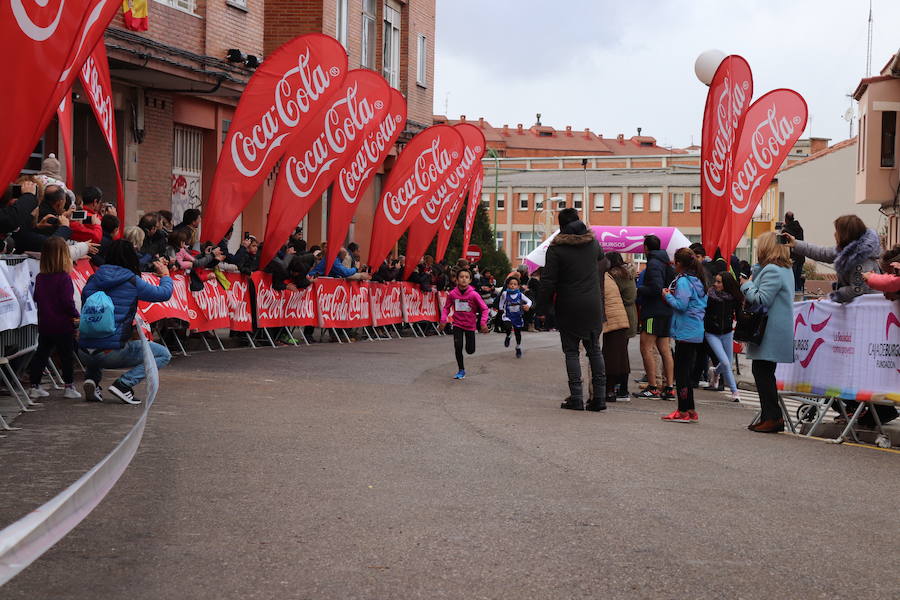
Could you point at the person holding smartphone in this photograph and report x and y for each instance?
(86, 227)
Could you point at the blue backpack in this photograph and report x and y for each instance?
(97, 316)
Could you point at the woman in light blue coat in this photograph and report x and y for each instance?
(772, 286)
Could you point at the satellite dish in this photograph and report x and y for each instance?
(848, 114)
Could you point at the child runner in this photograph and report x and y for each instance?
(465, 301)
(688, 301)
(513, 303)
(57, 316)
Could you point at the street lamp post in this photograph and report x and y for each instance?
(492, 152)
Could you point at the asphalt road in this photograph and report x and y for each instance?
(364, 471)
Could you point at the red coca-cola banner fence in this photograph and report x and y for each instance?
(420, 169)
(316, 153)
(284, 308)
(240, 310)
(96, 82)
(387, 303)
(283, 97)
(419, 305)
(46, 42)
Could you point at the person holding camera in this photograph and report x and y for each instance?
(771, 288)
(85, 223)
(120, 279)
(21, 200)
(856, 251)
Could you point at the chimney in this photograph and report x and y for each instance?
(620, 138)
(505, 129)
(519, 129)
(817, 144)
(462, 118)
(587, 133)
(481, 122)
(569, 130)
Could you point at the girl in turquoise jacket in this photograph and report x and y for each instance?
(687, 297)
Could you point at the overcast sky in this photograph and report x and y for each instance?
(614, 66)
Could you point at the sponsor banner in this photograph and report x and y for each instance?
(81, 272)
(284, 96)
(10, 313)
(208, 308)
(285, 308)
(239, 309)
(387, 303)
(474, 201)
(767, 133)
(175, 307)
(730, 92)
(333, 300)
(50, 40)
(851, 350)
(300, 307)
(96, 82)
(475, 144)
(354, 178)
(359, 312)
(315, 154)
(19, 279)
(419, 171)
(419, 305)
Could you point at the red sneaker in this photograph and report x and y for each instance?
(677, 417)
(695, 418)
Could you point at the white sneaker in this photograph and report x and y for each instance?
(37, 391)
(713, 377)
(735, 396)
(92, 391)
(71, 392)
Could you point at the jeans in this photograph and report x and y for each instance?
(570, 344)
(63, 342)
(722, 346)
(767, 389)
(685, 354)
(132, 355)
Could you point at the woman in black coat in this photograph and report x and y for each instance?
(570, 284)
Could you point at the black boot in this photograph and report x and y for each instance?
(596, 404)
(571, 403)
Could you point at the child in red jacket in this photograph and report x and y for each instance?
(465, 302)
(889, 281)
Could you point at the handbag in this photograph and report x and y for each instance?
(750, 324)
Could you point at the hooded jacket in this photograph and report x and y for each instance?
(465, 303)
(124, 288)
(850, 262)
(570, 281)
(657, 276)
(720, 309)
(688, 299)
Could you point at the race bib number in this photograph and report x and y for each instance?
(514, 308)
(461, 306)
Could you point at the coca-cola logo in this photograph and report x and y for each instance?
(371, 153)
(343, 122)
(431, 212)
(333, 305)
(239, 307)
(428, 168)
(294, 94)
(269, 303)
(101, 101)
(770, 139)
(358, 309)
(210, 301)
(412, 300)
(387, 303)
(35, 30)
(732, 103)
(429, 304)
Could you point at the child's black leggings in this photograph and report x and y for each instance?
(510, 328)
(458, 335)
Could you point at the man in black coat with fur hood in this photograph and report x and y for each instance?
(571, 284)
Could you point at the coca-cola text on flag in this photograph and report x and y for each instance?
(474, 140)
(315, 155)
(420, 169)
(96, 82)
(47, 42)
(472, 206)
(358, 172)
(768, 131)
(728, 99)
(285, 94)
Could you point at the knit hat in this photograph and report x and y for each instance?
(50, 166)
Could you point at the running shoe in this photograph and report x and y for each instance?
(71, 393)
(92, 391)
(677, 417)
(668, 393)
(649, 393)
(518, 353)
(506, 342)
(123, 392)
(694, 417)
(36, 392)
(461, 374)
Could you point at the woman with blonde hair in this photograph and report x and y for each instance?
(771, 287)
(57, 316)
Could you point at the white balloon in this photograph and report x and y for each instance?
(706, 64)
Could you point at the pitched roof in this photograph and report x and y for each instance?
(820, 154)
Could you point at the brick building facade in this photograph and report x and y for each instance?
(175, 91)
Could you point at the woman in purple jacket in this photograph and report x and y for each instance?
(57, 316)
(465, 302)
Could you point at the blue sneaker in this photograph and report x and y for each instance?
(518, 353)
(460, 375)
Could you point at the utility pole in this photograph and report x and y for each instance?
(869, 44)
